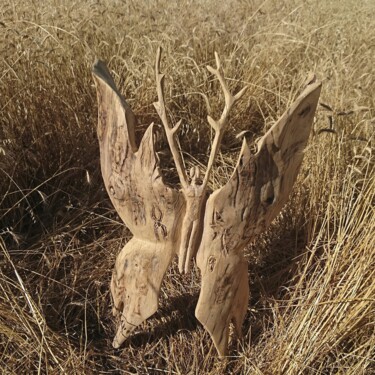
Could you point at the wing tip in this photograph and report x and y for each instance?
(101, 71)
(312, 84)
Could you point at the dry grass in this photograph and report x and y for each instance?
(312, 274)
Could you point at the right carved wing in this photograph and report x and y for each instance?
(149, 208)
(245, 206)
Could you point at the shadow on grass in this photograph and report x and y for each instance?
(75, 298)
(275, 264)
(177, 315)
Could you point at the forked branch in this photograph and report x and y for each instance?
(220, 125)
(193, 191)
(169, 130)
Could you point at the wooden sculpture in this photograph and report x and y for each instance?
(191, 222)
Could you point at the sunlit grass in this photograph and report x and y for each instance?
(312, 274)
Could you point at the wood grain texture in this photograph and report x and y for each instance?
(193, 190)
(151, 210)
(245, 206)
(166, 221)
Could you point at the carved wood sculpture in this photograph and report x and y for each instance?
(188, 222)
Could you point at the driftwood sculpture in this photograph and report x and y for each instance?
(191, 222)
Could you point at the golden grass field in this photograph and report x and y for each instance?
(312, 274)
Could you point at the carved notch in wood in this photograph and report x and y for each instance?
(165, 221)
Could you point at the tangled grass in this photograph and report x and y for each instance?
(312, 275)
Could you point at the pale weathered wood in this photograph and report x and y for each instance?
(244, 207)
(194, 191)
(151, 210)
(166, 221)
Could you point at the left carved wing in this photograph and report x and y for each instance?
(149, 208)
(245, 206)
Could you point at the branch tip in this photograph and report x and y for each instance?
(177, 126)
(169, 130)
(217, 59)
(240, 93)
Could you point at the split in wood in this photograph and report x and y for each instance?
(187, 222)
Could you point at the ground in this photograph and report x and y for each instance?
(312, 281)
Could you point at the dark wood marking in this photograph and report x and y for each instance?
(274, 149)
(157, 216)
(126, 152)
(226, 269)
(211, 263)
(102, 123)
(270, 200)
(305, 111)
(219, 295)
(164, 231)
(217, 217)
(156, 228)
(241, 161)
(138, 210)
(224, 235)
(236, 187)
(156, 213)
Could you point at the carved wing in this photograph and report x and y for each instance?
(151, 210)
(245, 206)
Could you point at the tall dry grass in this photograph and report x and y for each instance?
(312, 275)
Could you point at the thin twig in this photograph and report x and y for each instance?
(169, 131)
(220, 125)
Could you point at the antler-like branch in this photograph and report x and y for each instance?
(169, 131)
(219, 126)
(193, 192)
